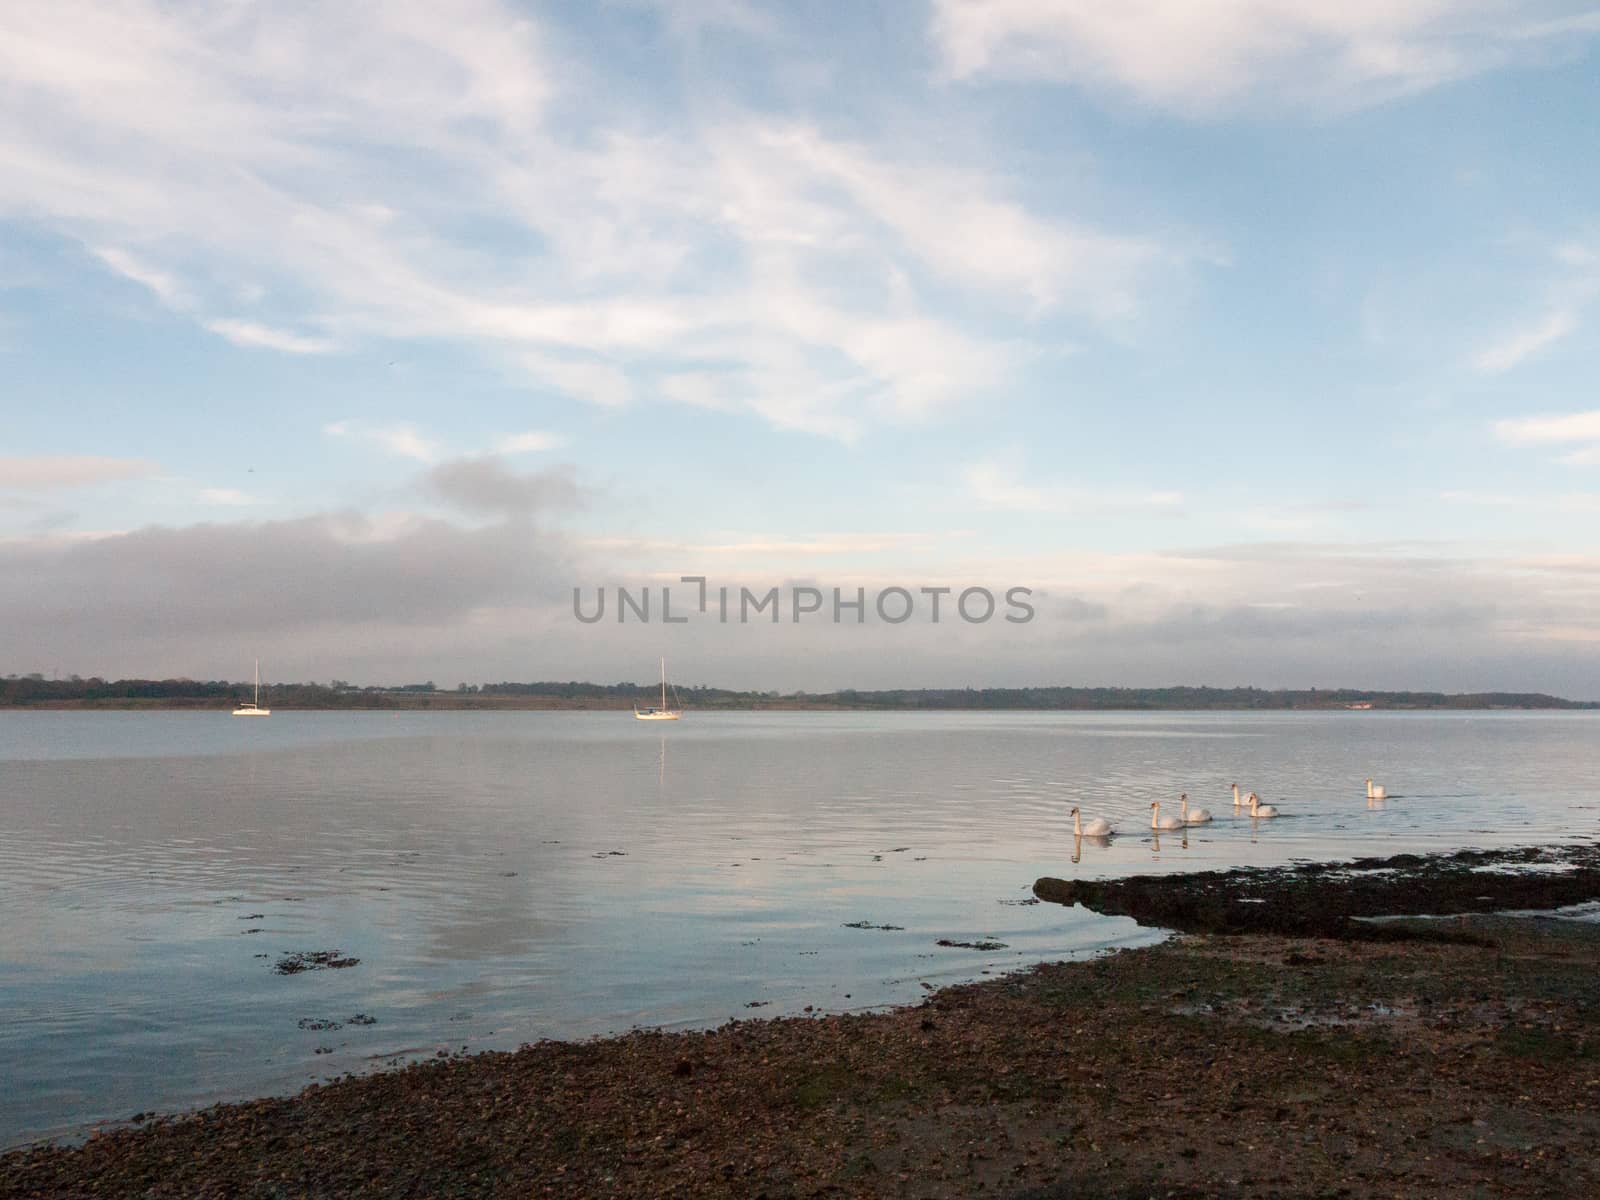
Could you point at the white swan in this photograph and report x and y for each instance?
(1157, 821)
(1376, 791)
(1237, 800)
(1099, 827)
(1197, 816)
(1258, 809)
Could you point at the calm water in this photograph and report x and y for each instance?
(154, 867)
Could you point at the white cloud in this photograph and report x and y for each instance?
(751, 547)
(954, 221)
(1570, 283)
(1550, 429)
(1562, 502)
(248, 167)
(254, 334)
(998, 486)
(1203, 56)
(403, 440)
(162, 285)
(584, 379)
(528, 442)
(68, 471)
(791, 396)
(689, 17)
(1578, 564)
(1520, 346)
(227, 497)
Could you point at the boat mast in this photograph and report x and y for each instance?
(663, 683)
(258, 683)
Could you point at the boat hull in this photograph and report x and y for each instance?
(252, 712)
(655, 716)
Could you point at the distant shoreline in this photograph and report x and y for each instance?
(34, 691)
(450, 703)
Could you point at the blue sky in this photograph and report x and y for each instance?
(1256, 337)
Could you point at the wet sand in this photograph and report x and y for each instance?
(1454, 1057)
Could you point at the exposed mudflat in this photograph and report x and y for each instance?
(1249, 1065)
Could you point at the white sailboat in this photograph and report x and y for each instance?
(253, 708)
(663, 713)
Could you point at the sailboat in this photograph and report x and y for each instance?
(253, 708)
(663, 713)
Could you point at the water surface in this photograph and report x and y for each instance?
(504, 877)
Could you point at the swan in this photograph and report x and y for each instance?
(1258, 809)
(1157, 821)
(1376, 791)
(1237, 801)
(1196, 816)
(1099, 827)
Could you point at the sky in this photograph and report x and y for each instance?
(1256, 338)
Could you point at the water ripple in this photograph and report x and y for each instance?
(503, 877)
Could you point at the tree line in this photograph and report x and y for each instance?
(18, 691)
